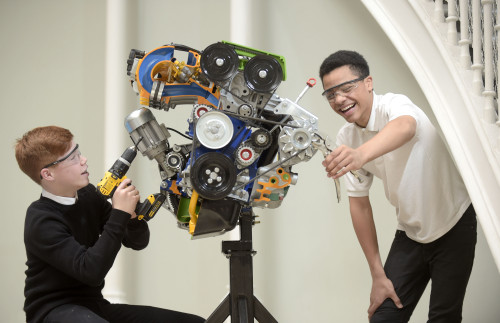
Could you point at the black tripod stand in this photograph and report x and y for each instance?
(240, 303)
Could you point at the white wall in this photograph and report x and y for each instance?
(308, 267)
(52, 74)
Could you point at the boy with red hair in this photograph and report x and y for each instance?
(72, 236)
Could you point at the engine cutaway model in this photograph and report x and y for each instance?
(243, 138)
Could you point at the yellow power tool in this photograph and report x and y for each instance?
(116, 174)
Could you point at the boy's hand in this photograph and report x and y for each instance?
(126, 197)
(382, 289)
(342, 160)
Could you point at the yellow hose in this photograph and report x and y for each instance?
(192, 212)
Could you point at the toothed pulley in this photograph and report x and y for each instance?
(200, 109)
(245, 155)
(263, 73)
(213, 175)
(219, 62)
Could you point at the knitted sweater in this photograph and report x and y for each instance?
(70, 249)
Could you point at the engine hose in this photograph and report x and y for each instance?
(192, 212)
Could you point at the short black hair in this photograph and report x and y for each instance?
(354, 60)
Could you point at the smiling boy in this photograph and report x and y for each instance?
(389, 137)
(72, 236)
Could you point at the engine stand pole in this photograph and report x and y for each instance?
(240, 303)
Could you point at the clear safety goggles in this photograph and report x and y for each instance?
(342, 89)
(72, 158)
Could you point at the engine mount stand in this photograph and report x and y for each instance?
(240, 303)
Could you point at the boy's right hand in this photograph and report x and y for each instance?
(126, 197)
(382, 289)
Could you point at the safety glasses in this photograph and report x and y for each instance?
(73, 157)
(342, 89)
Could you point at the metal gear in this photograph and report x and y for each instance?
(200, 109)
(245, 155)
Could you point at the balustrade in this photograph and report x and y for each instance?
(481, 19)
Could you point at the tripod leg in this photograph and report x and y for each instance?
(221, 313)
(261, 313)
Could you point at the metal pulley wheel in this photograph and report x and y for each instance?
(213, 175)
(261, 139)
(246, 110)
(219, 62)
(175, 161)
(296, 141)
(214, 129)
(263, 73)
(300, 138)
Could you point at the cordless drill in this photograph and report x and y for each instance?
(116, 174)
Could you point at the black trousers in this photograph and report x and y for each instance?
(118, 313)
(447, 262)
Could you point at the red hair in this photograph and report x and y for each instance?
(41, 146)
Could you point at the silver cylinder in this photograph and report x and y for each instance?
(142, 124)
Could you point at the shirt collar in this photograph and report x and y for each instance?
(60, 199)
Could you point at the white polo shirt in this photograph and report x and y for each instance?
(420, 178)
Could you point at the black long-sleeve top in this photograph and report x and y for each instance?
(70, 249)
